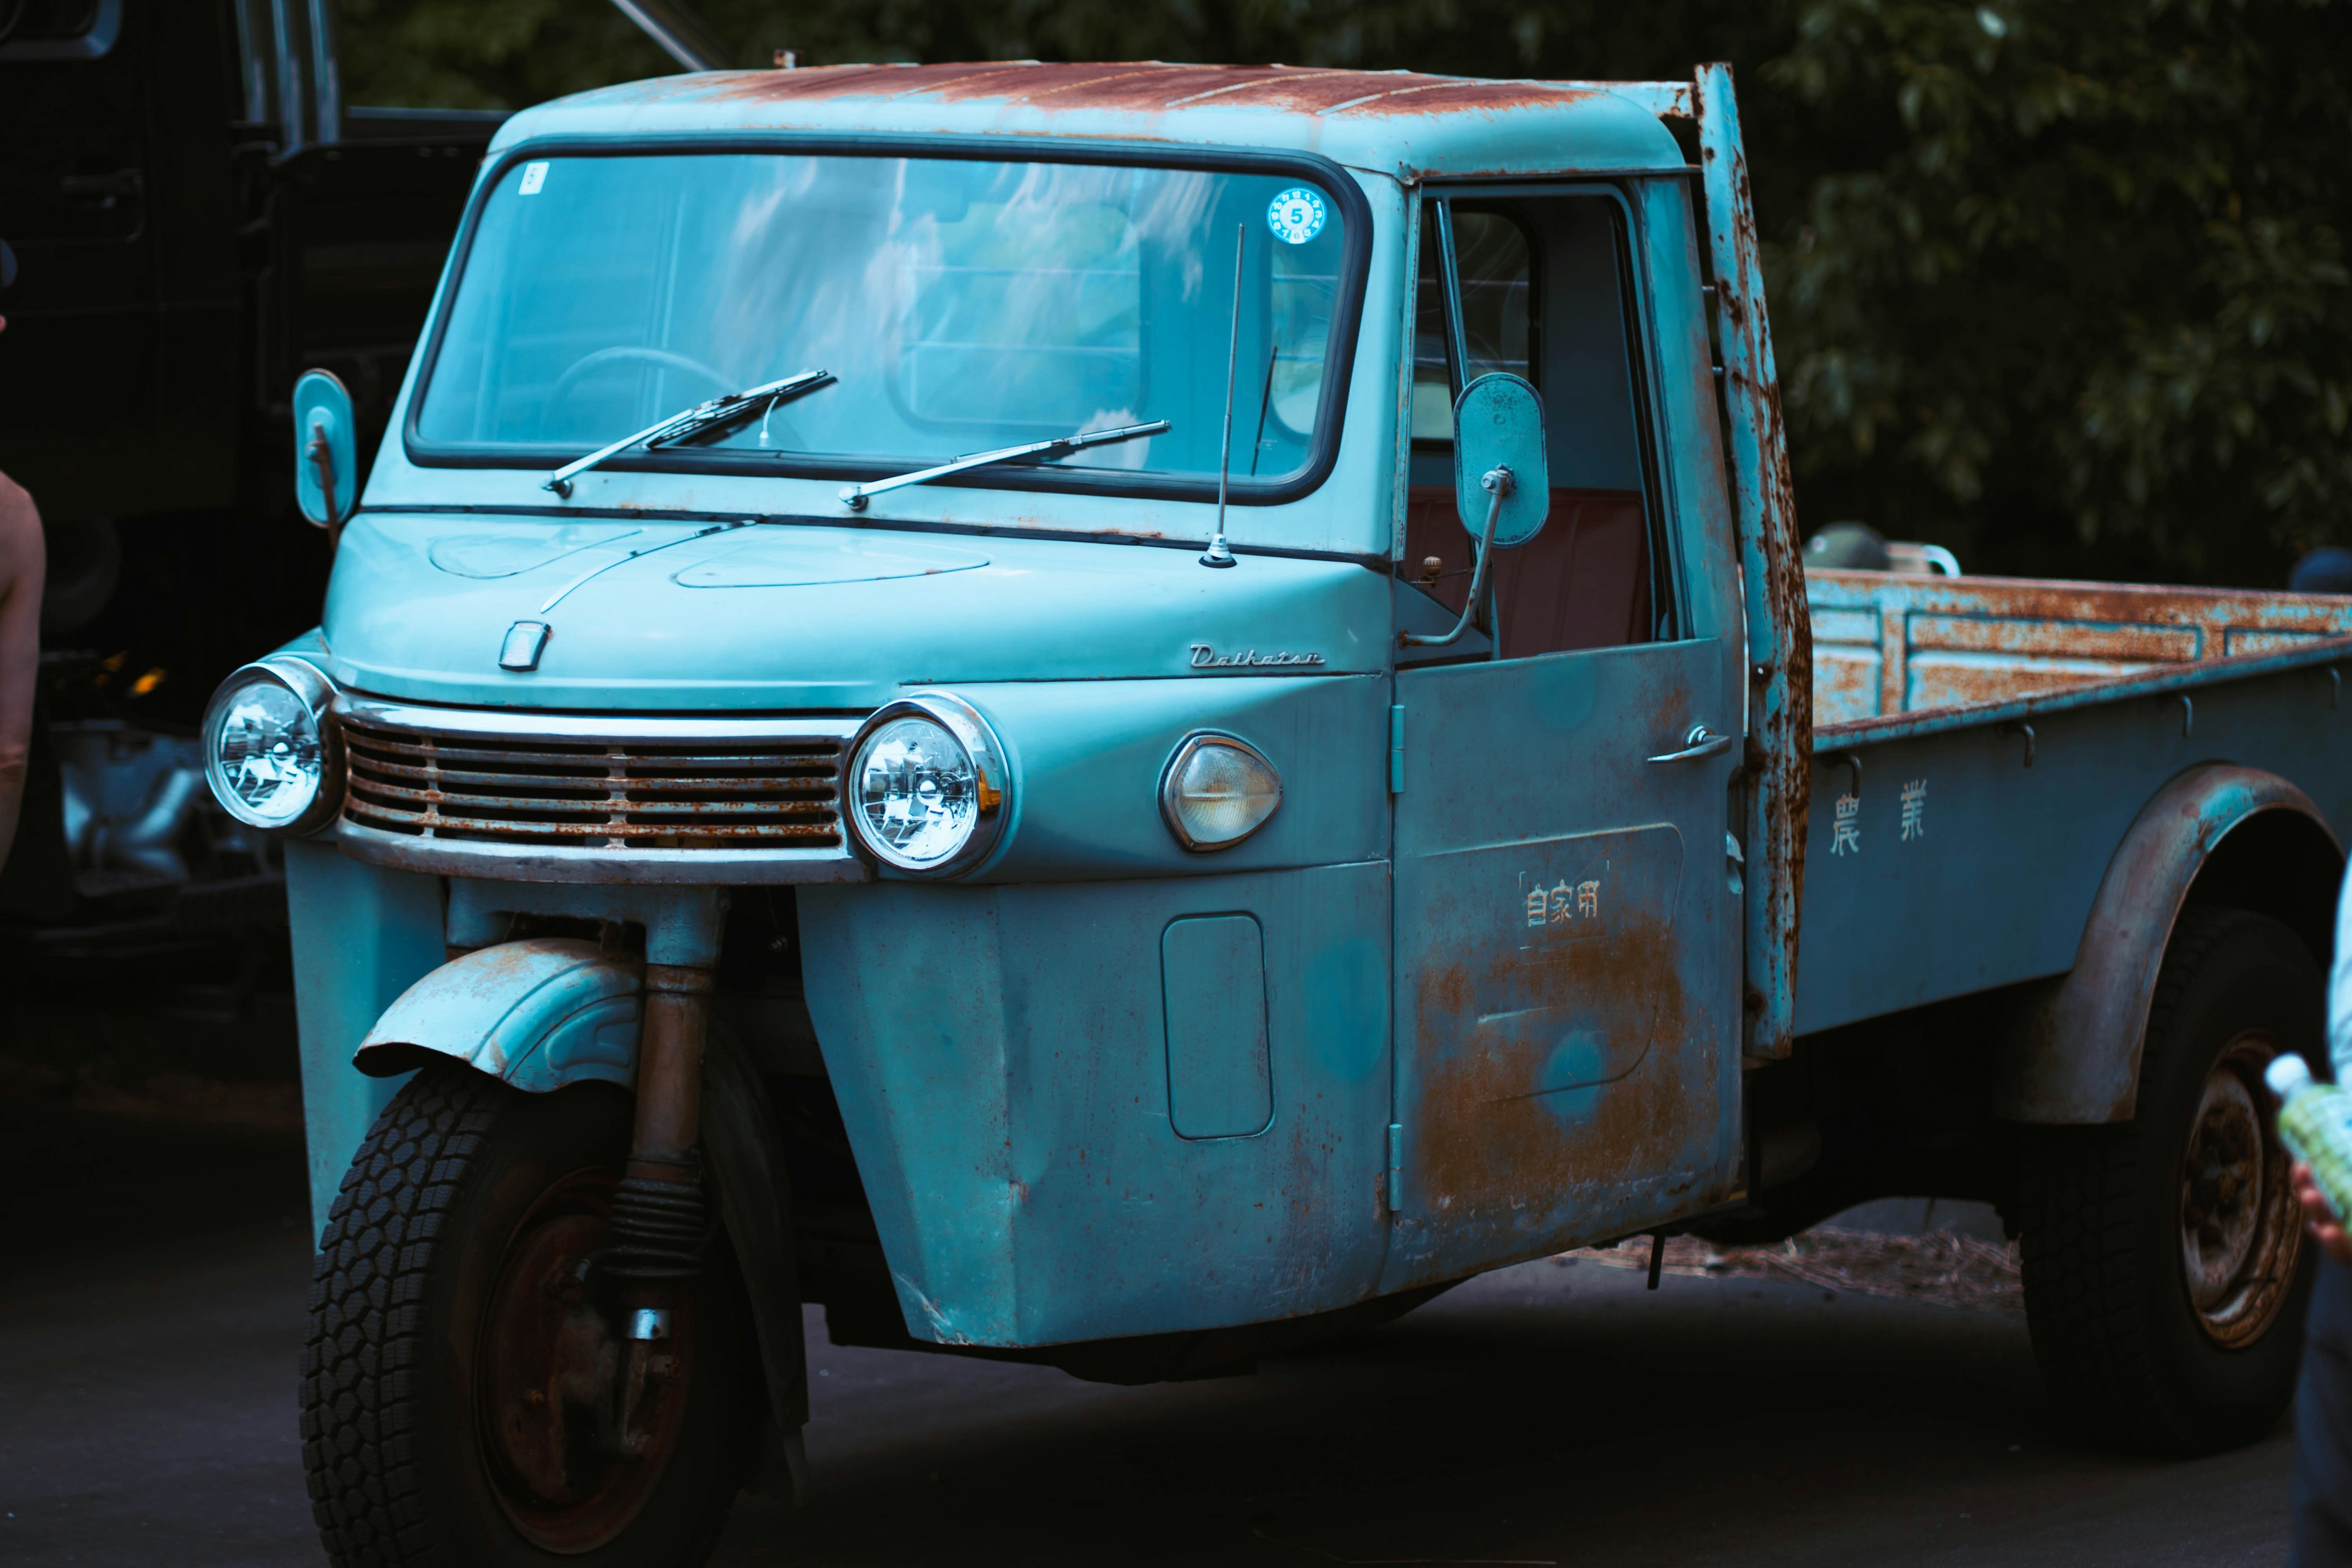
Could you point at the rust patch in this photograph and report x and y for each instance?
(1779, 627)
(2117, 603)
(1971, 640)
(1152, 87)
(1495, 1150)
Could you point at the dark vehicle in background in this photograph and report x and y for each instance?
(195, 217)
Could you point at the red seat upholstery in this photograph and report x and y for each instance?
(1584, 581)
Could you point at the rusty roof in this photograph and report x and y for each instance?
(1154, 86)
(1399, 122)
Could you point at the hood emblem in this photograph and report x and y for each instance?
(525, 641)
(1205, 657)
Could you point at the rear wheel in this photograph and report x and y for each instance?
(2164, 1270)
(468, 1396)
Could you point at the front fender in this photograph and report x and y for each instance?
(538, 1014)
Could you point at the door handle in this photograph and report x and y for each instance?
(1701, 741)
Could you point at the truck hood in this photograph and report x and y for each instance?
(659, 615)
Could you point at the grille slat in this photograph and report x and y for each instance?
(598, 807)
(651, 755)
(808, 787)
(619, 795)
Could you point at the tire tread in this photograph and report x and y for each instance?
(2086, 1272)
(365, 1344)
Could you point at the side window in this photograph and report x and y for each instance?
(1495, 260)
(1543, 295)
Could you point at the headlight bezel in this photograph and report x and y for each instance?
(1170, 774)
(309, 686)
(993, 786)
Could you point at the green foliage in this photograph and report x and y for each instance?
(2059, 283)
(2066, 286)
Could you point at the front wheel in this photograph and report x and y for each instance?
(468, 1395)
(2164, 1270)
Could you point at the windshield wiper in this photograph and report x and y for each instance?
(700, 417)
(855, 496)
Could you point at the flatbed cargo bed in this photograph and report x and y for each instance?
(1982, 744)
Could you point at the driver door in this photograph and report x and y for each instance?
(1567, 923)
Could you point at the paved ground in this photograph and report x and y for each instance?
(150, 1302)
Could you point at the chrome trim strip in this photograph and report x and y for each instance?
(533, 863)
(507, 724)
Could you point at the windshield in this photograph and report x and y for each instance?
(963, 304)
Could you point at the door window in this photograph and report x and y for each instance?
(1543, 294)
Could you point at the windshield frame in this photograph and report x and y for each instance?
(1347, 314)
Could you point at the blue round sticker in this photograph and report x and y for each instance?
(1296, 215)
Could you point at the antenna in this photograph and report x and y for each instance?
(1219, 552)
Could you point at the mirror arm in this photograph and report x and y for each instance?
(1497, 483)
(321, 453)
(322, 458)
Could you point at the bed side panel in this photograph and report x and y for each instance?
(1955, 867)
(1893, 643)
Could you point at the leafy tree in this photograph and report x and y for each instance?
(2059, 283)
(2066, 287)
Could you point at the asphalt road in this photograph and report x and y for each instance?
(150, 1307)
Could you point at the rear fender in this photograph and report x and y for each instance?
(538, 1014)
(2218, 834)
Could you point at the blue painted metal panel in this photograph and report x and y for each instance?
(419, 604)
(1956, 867)
(1220, 1069)
(1779, 637)
(1088, 758)
(361, 936)
(1567, 955)
(998, 1057)
(1704, 539)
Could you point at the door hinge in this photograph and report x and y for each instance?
(1396, 1155)
(1396, 748)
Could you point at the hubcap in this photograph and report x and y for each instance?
(2239, 1235)
(552, 1374)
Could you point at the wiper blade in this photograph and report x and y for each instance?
(699, 418)
(855, 496)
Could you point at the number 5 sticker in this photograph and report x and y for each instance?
(1296, 215)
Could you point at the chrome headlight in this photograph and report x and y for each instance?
(1217, 791)
(927, 785)
(272, 754)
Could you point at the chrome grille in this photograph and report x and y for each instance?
(576, 790)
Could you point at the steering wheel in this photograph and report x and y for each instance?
(11, 13)
(627, 353)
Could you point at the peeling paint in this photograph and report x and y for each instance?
(1892, 645)
(1150, 87)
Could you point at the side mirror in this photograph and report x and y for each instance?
(1502, 482)
(1498, 424)
(326, 450)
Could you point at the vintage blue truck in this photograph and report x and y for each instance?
(1124, 715)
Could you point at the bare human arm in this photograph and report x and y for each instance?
(22, 563)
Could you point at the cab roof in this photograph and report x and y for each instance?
(1398, 123)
